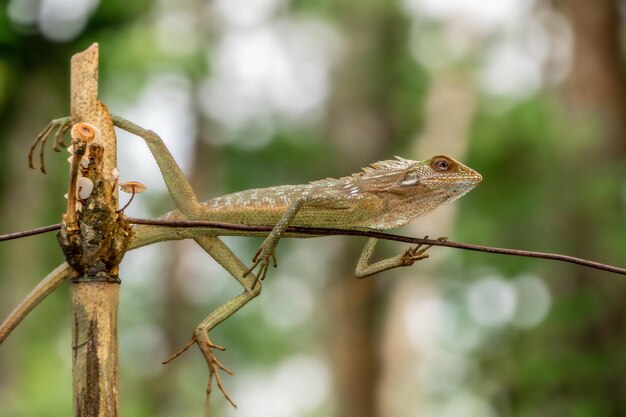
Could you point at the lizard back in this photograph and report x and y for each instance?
(384, 195)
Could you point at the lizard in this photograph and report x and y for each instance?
(384, 195)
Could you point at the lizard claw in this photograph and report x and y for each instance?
(61, 126)
(262, 258)
(418, 252)
(215, 366)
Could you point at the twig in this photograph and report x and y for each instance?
(31, 232)
(340, 232)
(387, 236)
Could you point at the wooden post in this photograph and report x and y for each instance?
(94, 239)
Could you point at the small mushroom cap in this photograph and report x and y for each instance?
(84, 187)
(132, 187)
(83, 131)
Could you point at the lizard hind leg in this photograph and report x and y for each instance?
(201, 338)
(61, 126)
(215, 366)
(252, 288)
(177, 184)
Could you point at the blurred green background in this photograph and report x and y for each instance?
(252, 93)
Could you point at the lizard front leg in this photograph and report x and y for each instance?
(408, 258)
(268, 247)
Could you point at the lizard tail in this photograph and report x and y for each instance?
(41, 291)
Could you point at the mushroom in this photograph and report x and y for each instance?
(133, 187)
(84, 187)
(83, 131)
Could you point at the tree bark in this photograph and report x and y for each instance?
(94, 241)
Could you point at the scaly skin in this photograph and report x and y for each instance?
(384, 195)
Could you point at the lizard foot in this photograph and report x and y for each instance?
(418, 252)
(61, 126)
(262, 259)
(215, 366)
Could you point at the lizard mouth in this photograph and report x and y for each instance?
(461, 179)
(476, 179)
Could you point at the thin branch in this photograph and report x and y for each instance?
(384, 236)
(31, 232)
(340, 232)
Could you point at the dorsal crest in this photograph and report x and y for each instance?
(383, 167)
(374, 170)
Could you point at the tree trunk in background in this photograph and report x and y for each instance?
(360, 120)
(450, 108)
(595, 92)
(176, 308)
(596, 81)
(25, 204)
(353, 346)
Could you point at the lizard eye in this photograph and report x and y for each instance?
(441, 164)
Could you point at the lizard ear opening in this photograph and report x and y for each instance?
(398, 185)
(410, 178)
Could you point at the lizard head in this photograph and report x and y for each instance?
(413, 188)
(441, 177)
